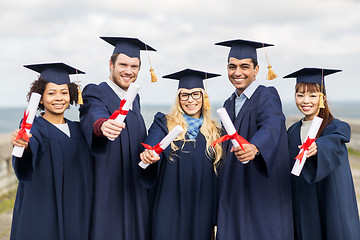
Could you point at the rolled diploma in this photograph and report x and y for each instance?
(228, 125)
(313, 130)
(129, 97)
(31, 110)
(165, 142)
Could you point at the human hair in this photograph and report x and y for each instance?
(210, 129)
(324, 113)
(39, 85)
(254, 61)
(115, 56)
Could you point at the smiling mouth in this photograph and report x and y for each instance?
(239, 79)
(306, 108)
(126, 78)
(190, 106)
(58, 106)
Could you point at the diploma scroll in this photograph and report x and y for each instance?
(128, 99)
(228, 125)
(164, 143)
(28, 120)
(310, 137)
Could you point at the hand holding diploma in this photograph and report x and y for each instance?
(159, 148)
(22, 134)
(235, 138)
(120, 114)
(306, 146)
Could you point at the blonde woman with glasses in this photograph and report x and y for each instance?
(182, 181)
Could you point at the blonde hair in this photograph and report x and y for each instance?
(210, 129)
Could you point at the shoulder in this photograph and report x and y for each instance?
(293, 127)
(231, 98)
(271, 91)
(159, 126)
(160, 119)
(337, 125)
(94, 88)
(40, 127)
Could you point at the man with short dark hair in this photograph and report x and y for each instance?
(120, 208)
(254, 184)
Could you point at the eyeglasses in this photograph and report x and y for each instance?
(195, 95)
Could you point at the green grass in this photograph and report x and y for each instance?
(7, 201)
(353, 152)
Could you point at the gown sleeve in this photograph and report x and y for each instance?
(331, 152)
(25, 166)
(157, 132)
(270, 137)
(92, 110)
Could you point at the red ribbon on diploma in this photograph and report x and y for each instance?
(120, 111)
(235, 136)
(156, 148)
(24, 125)
(305, 146)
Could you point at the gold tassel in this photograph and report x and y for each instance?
(321, 101)
(80, 99)
(271, 74)
(153, 76)
(206, 101)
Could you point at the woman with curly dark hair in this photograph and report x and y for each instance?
(54, 194)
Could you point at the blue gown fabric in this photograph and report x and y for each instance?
(324, 200)
(182, 190)
(120, 200)
(255, 198)
(53, 199)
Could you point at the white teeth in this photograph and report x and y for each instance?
(238, 79)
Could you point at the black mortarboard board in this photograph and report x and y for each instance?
(129, 46)
(190, 78)
(311, 75)
(241, 49)
(57, 73)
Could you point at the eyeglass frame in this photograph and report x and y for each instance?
(190, 94)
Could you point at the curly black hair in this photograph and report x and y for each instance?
(38, 86)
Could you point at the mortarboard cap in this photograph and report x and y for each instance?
(190, 78)
(311, 75)
(129, 46)
(241, 49)
(57, 73)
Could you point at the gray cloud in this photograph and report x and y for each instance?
(315, 33)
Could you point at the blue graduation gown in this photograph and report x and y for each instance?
(53, 199)
(120, 200)
(255, 198)
(182, 190)
(324, 199)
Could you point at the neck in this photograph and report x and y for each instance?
(54, 119)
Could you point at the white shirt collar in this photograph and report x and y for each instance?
(118, 90)
(249, 91)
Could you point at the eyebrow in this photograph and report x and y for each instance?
(62, 89)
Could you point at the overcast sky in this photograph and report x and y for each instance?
(317, 33)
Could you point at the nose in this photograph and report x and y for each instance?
(128, 70)
(238, 71)
(59, 97)
(306, 99)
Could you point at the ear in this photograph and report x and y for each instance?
(111, 65)
(257, 69)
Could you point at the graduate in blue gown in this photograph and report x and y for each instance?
(182, 181)
(53, 199)
(254, 197)
(120, 201)
(324, 200)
